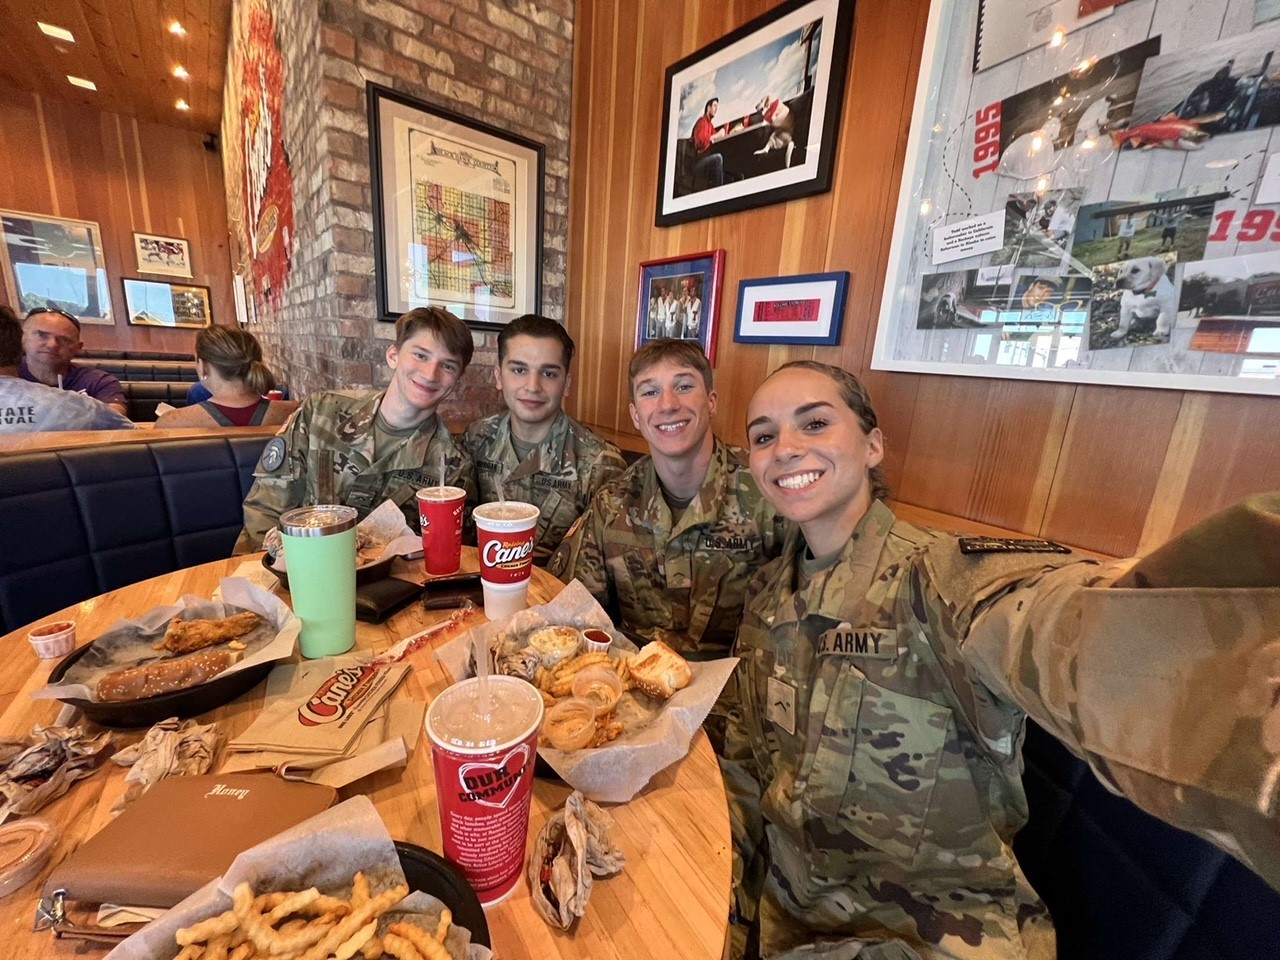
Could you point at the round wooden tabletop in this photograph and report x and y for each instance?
(671, 900)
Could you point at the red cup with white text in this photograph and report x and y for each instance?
(504, 537)
(440, 511)
(483, 754)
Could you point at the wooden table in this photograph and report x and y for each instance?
(672, 900)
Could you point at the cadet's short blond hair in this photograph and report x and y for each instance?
(683, 353)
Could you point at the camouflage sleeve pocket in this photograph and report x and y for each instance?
(876, 763)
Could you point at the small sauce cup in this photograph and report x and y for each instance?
(597, 641)
(52, 640)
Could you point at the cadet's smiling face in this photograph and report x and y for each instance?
(533, 379)
(672, 409)
(810, 456)
(423, 371)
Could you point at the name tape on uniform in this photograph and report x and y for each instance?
(869, 642)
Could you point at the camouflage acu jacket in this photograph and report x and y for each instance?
(325, 454)
(685, 582)
(882, 709)
(561, 475)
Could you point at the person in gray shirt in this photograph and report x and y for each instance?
(27, 407)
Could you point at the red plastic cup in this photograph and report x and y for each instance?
(440, 511)
(504, 535)
(483, 763)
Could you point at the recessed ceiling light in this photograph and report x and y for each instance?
(181, 72)
(49, 30)
(81, 82)
(177, 29)
(182, 105)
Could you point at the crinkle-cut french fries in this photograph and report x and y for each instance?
(308, 925)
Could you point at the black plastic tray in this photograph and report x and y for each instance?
(151, 710)
(433, 874)
(369, 573)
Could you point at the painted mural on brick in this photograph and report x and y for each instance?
(267, 178)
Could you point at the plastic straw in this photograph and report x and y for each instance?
(442, 468)
(59, 381)
(480, 653)
(502, 496)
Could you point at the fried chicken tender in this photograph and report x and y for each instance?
(608, 728)
(562, 676)
(186, 636)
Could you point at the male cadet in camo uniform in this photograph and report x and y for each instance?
(361, 447)
(538, 452)
(668, 547)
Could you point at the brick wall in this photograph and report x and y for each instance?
(505, 62)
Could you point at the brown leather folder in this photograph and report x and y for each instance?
(182, 833)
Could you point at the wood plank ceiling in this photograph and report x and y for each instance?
(126, 49)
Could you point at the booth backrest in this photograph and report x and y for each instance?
(144, 397)
(133, 355)
(80, 522)
(125, 370)
(1122, 885)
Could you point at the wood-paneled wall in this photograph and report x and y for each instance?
(1116, 470)
(63, 159)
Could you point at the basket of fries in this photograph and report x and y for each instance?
(332, 888)
(614, 717)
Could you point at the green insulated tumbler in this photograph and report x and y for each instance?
(320, 554)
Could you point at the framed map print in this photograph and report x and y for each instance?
(457, 213)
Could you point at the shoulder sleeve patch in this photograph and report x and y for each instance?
(274, 454)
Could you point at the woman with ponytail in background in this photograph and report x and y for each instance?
(229, 361)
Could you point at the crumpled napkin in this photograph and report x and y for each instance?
(44, 771)
(172, 747)
(572, 849)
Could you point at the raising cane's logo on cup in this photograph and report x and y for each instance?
(505, 534)
(337, 696)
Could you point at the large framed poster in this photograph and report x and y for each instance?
(55, 262)
(1093, 198)
(752, 118)
(457, 211)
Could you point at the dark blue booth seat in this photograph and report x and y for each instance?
(1122, 885)
(83, 521)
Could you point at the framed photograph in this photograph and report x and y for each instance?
(154, 303)
(53, 262)
(166, 256)
(680, 298)
(1090, 248)
(752, 119)
(802, 309)
(457, 213)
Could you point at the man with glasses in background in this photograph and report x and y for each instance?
(50, 341)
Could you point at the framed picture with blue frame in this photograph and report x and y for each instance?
(679, 297)
(803, 309)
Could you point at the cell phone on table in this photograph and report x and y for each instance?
(441, 593)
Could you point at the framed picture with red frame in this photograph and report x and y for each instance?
(680, 298)
(802, 309)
